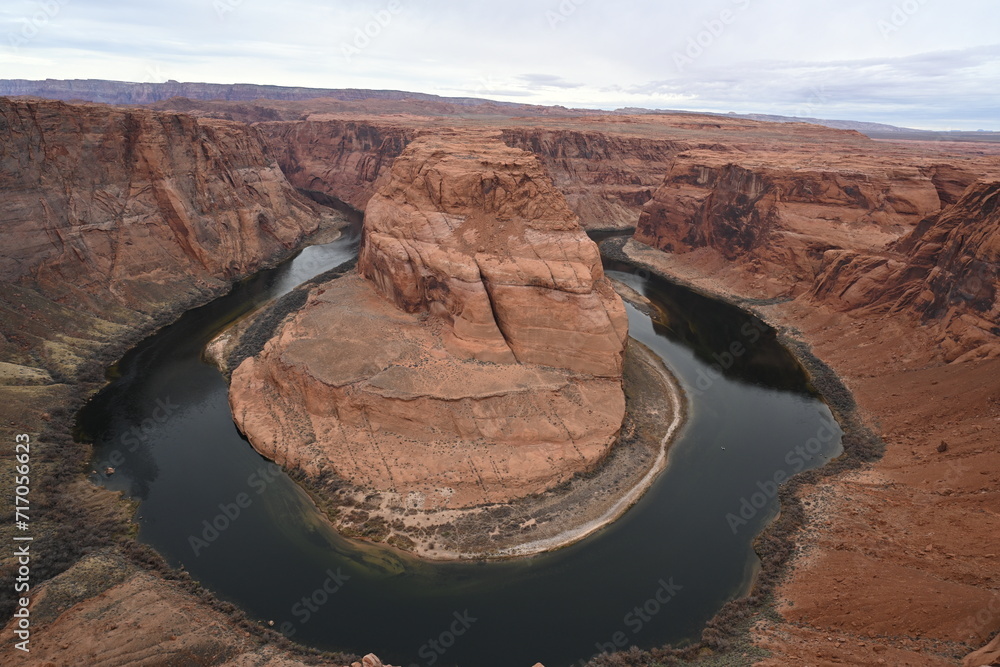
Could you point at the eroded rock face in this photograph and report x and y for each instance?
(347, 159)
(946, 273)
(477, 234)
(478, 360)
(780, 211)
(605, 178)
(121, 214)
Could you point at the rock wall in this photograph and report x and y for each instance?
(345, 159)
(787, 214)
(606, 178)
(946, 273)
(118, 215)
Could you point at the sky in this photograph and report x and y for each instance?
(915, 63)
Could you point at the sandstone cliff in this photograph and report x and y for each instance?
(345, 159)
(781, 211)
(946, 273)
(111, 216)
(475, 231)
(478, 363)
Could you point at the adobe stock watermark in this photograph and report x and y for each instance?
(364, 35)
(35, 23)
(434, 649)
(229, 513)
(135, 437)
(713, 30)
(981, 624)
(751, 332)
(641, 615)
(562, 13)
(311, 604)
(818, 97)
(795, 459)
(225, 7)
(899, 17)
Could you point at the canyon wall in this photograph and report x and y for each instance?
(345, 159)
(781, 213)
(946, 273)
(606, 178)
(112, 216)
(115, 221)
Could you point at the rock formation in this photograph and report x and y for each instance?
(120, 214)
(476, 232)
(478, 361)
(946, 273)
(780, 210)
(346, 159)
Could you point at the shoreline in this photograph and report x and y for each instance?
(777, 544)
(680, 410)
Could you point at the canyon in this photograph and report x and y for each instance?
(882, 257)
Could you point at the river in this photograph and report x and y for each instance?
(655, 576)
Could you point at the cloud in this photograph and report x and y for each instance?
(548, 81)
(938, 66)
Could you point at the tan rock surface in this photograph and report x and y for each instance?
(353, 386)
(493, 369)
(473, 231)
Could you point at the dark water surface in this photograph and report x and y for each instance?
(654, 576)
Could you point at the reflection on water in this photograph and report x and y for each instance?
(251, 535)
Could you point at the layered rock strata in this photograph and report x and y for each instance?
(111, 216)
(780, 213)
(476, 359)
(946, 273)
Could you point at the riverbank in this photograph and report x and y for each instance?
(862, 540)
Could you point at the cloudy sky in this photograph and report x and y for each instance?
(917, 63)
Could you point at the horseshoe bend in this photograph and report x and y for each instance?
(484, 382)
(474, 359)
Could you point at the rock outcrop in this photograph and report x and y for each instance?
(946, 273)
(781, 211)
(479, 359)
(111, 216)
(345, 159)
(475, 231)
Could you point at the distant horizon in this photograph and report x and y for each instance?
(729, 112)
(908, 63)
